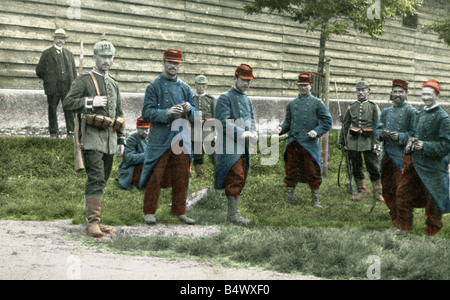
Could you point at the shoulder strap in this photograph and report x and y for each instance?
(95, 84)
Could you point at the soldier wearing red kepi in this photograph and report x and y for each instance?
(235, 111)
(425, 178)
(307, 119)
(133, 159)
(393, 128)
(167, 99)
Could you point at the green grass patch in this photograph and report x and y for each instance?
(38, 182)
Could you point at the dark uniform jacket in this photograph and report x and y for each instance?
(233, 106)
(361, 115)
(102, 140)
(304, 114)
(51, 69)
(398, 118)
(160, 96)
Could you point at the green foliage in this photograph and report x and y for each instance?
(441, 27)
(335, 16)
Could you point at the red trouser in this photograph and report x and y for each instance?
(412, 193)
(301, 167)
(136, 175)
(172, 170)
(390, 178)
(235, 180)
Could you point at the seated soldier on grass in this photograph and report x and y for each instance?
(133, 159)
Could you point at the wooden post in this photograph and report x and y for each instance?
(325, 141)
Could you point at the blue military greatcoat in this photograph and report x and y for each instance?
(398, 118)
(235, 109)
(432, 126)
(134, 155)
(304, 114)
(160, 95)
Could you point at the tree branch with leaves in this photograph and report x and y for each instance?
(336, 16)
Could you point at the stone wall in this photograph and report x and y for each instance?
(28, 108)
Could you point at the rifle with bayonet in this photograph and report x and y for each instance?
(79, 160)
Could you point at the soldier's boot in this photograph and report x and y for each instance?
(315, 199)
(290, 195)
(106, 230)
(363, 190)
(186, 220)
(233, 213)
(150, 219)
(378, 190)
(200, 170)
(93, 210)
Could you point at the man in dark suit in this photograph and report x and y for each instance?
(57, 69)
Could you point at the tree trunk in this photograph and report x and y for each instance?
(323, 43)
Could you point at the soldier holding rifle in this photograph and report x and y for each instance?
(358, 139)
(96, 96)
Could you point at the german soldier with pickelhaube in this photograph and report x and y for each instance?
(57, 69)
(206, 105)
(96, 96)
(307, 119)
(393, 129)
(359, 122)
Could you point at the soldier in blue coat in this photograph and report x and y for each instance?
(425, 178)
(235, 111)
(393, 128)
(133, 159)
(168, 102)
(307, 119)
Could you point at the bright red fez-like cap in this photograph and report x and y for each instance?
(172, 55)
(433, 83)
(244, 71)
(141, 123)
(304, 78)
(400, 83)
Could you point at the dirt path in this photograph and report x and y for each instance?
(38, 250)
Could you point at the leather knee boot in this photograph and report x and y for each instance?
(378, 190)
(93, 210)
(363, 190)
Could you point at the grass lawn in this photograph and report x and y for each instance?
(38, 182)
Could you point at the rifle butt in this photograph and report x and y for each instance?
(79, 159)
